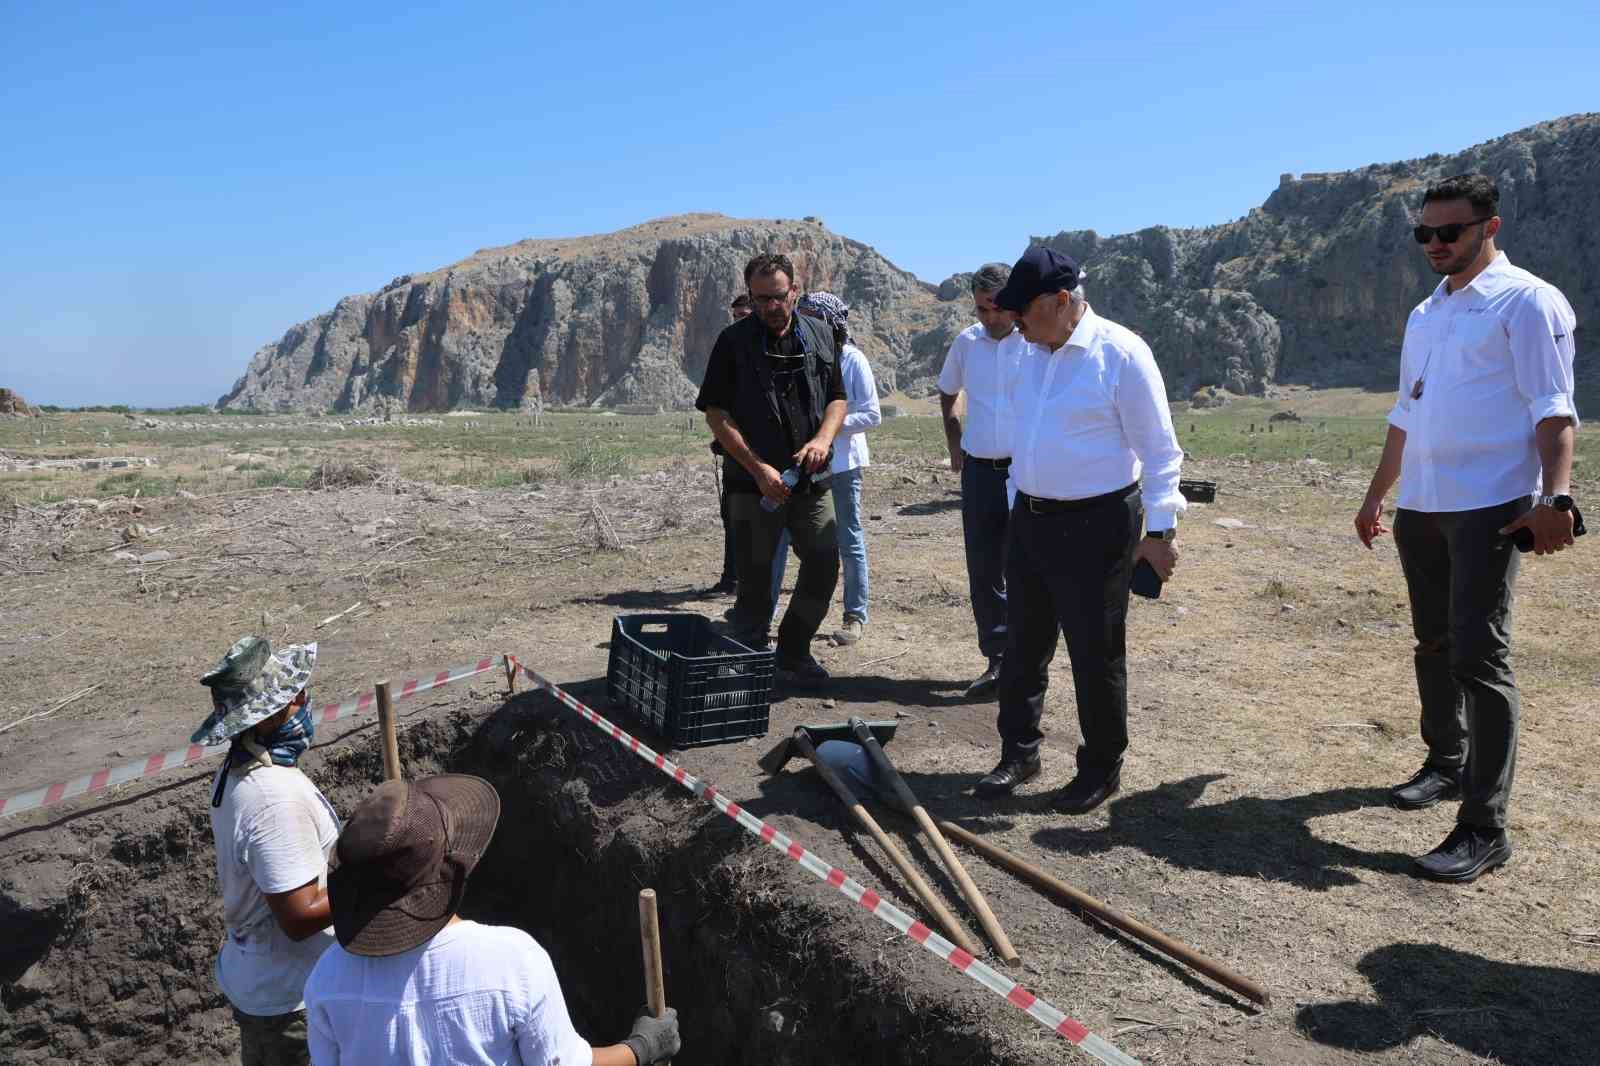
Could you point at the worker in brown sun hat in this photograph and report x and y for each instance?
(410, 980)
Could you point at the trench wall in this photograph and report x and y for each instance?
(112, 920)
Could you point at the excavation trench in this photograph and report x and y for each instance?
(112, 918)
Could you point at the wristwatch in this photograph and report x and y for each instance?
(1162, 534)
(1561, 502)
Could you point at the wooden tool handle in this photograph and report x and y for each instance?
(969, 891)
(391, 738)
(1154, 937)
(655, 981)
(948, 922)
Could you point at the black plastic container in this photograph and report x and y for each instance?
(687, 683)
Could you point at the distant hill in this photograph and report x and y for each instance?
(621, 318)
(1312, 287)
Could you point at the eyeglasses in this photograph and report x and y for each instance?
(773, 298)
(1449, 233)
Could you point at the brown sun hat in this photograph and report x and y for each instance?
(399, 871)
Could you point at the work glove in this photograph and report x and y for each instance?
(654, 1039)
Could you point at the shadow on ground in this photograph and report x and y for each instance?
(1506, 1012)
(651, 599)
(931, 507)
(1242, 837)
(875, 688)
(1245, 837)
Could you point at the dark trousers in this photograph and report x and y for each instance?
(1070, 571)
(273, 1040)
(730, 555)
(808, 516)
(1460, 573)
(985, 512)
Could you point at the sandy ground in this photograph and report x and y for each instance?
(1272, 704)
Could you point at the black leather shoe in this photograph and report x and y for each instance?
(802, 671)
(1012, 771)
(986, 682)
(1467, 854)
(1088, 790)
(1427, 786)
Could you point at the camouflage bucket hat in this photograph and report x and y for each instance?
(252, 684)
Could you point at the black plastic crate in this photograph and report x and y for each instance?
(688, 683)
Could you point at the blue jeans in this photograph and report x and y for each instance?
(852, 541)
(985, 514)
(780, 562)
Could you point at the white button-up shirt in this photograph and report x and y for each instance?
(861, 390)
(1092, 417)
(987, 369)
(1494, 359)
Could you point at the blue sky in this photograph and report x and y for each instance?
(181, 183)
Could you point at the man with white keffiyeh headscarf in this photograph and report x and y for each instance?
(850, 458)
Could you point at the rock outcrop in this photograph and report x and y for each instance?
(1312, 287)
(12, 403)
(624, 318)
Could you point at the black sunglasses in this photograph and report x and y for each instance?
(1449, 233)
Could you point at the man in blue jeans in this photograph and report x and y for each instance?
(850, 459)
(983, 362)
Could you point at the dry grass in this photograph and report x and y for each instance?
(1250, 822)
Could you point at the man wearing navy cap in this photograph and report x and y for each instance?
(1095, 461)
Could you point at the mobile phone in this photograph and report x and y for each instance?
(1523, 538)
(1146, 582)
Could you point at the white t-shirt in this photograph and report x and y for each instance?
(273, 833)
(472, 995)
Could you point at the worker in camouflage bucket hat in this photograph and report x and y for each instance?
(273, 832)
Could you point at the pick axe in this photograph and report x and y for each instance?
(969, 891)
(800, 743)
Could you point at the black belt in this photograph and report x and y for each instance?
(998, 464)
(1041, 505)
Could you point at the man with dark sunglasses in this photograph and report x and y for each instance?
(1480, 438)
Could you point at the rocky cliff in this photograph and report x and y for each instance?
(1314, 285)
(12, 403)
(1311, 287)
(623, 318)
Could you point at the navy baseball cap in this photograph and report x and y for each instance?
(1040, 270)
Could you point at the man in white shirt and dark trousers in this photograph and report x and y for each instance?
(983, 362)
(410, 982)
(1091, 420)
(1480, 438)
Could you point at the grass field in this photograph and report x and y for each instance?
(1340, 427)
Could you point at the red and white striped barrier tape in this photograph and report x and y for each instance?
(139, 769)
(1039, 1010)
